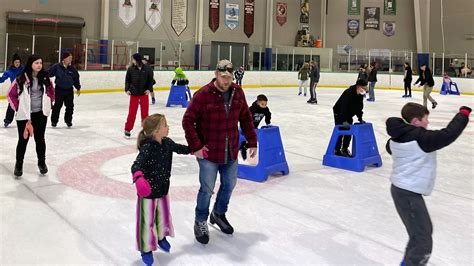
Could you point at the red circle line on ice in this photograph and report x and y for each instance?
(83, 173)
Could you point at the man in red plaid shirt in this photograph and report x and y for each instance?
(211, 126)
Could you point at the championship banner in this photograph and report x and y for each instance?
(353, 27)
(389, 7)
(232, 12)
(389, 28)
(304, 14)
(153, 9)
(249, 8)
(213, 15)
(372, 18)
(353, 7)
(179, 12)
(127, 11)
(281, 13)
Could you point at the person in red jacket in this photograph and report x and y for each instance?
(211, 127)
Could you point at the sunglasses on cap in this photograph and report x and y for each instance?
(227, 68)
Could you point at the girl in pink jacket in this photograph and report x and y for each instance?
(31, 96)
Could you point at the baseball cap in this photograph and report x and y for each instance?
(225, 68)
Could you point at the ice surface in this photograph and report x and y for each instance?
(83, 210)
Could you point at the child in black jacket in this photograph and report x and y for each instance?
(349, 104)
(151, 174)
(259, 110)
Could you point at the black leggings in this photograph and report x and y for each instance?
(38, 120)
(407, 87)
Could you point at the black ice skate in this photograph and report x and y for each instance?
(42, 167)
(222, 222)
(201, 232)
(18, 169)
(346, 153)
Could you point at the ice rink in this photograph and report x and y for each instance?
(83, 210)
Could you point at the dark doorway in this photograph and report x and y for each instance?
(238, 54)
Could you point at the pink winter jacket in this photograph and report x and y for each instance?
(21, 102)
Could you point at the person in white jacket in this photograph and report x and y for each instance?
(413, 148)
(31, 96)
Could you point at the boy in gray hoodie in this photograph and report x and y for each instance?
(413, 148)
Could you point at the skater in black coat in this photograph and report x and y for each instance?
(426, 80)
(314, 80)
(349, 104)
(407, 80)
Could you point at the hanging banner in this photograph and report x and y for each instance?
(249, 10)
(353, 7)
(127, 11)
(153, 11)
(389, 7)
(232, 12)
(213, 15)
(179, 13)
(372, 18)
(304, 11)
(389, 28)
(281, 13)
(353, 27)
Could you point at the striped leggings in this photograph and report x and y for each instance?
(153, 222)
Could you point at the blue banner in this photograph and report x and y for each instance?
(232, 15)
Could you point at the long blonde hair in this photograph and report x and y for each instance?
(151, 125)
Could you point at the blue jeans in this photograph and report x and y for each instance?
(371, 90)
(207, 178)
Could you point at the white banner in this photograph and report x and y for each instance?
(127, 11)
(153, 12)
(179, 12)
(232, 12)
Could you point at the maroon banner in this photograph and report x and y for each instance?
(281, 13)
(249, 7)
(214, 15)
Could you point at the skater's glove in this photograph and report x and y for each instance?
(465, 110)
(141, 184)
(346, 125)
(28, 132)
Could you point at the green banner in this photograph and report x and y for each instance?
(353, 7)
(389, 7)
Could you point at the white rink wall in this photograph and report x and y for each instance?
(114, 80)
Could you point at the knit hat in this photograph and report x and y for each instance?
(65, 55)
(15, 57)
(361, 82)
(138, 57)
